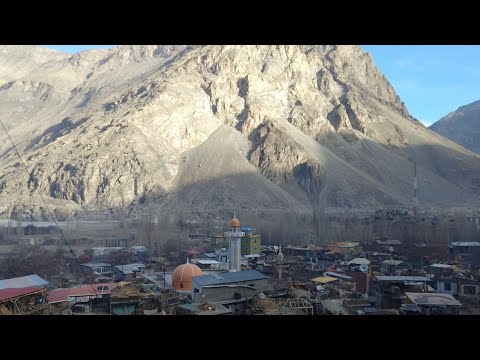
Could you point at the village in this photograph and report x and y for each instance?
(231, 272)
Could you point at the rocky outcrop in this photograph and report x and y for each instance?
(215, 127)
(462, 126)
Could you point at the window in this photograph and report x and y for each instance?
(181, 285)
(196, 291)
(469, 290)
(447, 286)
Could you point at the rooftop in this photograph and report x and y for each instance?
(392, 262)
(207, 262)
(344, 244)
(229, 277)
(10, 293)
(442, 266)
(402, 278)
(337, 275)
(206, 309)
(130, 268)
(465, 243)
(359, 261)
(247, 229)
(94, 264)
(324, 279)
(253, 256)
(435, 299)
(389, 242)
(63, 294)
(22, 282)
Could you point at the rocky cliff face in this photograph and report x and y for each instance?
(216, 127)
(462, 126)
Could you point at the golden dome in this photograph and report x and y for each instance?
(234, 222)
(183, 274)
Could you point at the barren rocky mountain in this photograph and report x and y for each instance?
(462, 126)
(204, 128)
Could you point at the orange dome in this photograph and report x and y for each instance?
(183, 274)
(234, 222)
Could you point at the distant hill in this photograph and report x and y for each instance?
(462, 126)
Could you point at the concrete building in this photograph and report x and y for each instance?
(251, 243)
(98, 268)
(434, 303)
(439, 269)
(231, 289)
(390, 267)
(359, 269)
(210, 264)
(464, 247)
(219, 241)
(128, 272)
(389, 291)
(96, 296)
(234, 237)
(456, 285)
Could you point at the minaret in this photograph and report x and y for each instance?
(234, 236)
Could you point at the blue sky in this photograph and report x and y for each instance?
(76, 48)
(432, 80)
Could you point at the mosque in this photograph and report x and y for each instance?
(182, 277)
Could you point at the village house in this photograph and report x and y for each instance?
(26, 295)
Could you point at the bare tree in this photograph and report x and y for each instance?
(31, 259)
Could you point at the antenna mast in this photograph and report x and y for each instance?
(415, 186)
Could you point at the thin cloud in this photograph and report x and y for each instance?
(404, 63)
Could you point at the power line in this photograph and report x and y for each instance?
(46, 205)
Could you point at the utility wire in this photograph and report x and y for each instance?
(46, 205)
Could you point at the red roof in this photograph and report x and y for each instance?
(59, 295)
(6, 294)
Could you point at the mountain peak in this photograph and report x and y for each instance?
(194, 128)
(462, 126)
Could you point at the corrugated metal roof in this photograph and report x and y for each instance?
(433, 299)
(99, 264)
(389, 242)
(324, 279)
(359, 261)
(442, 266)
(466, 243)
(402, 278)
(346, 245)
(337, 275)
(247, 229)
(216, 309)
(130, 268)
(23, 282)
(229, 277)
(59, 295)
(6, 294)
(207, 262)
(392, 262)
(253, 256)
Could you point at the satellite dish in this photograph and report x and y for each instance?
(364, 268)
